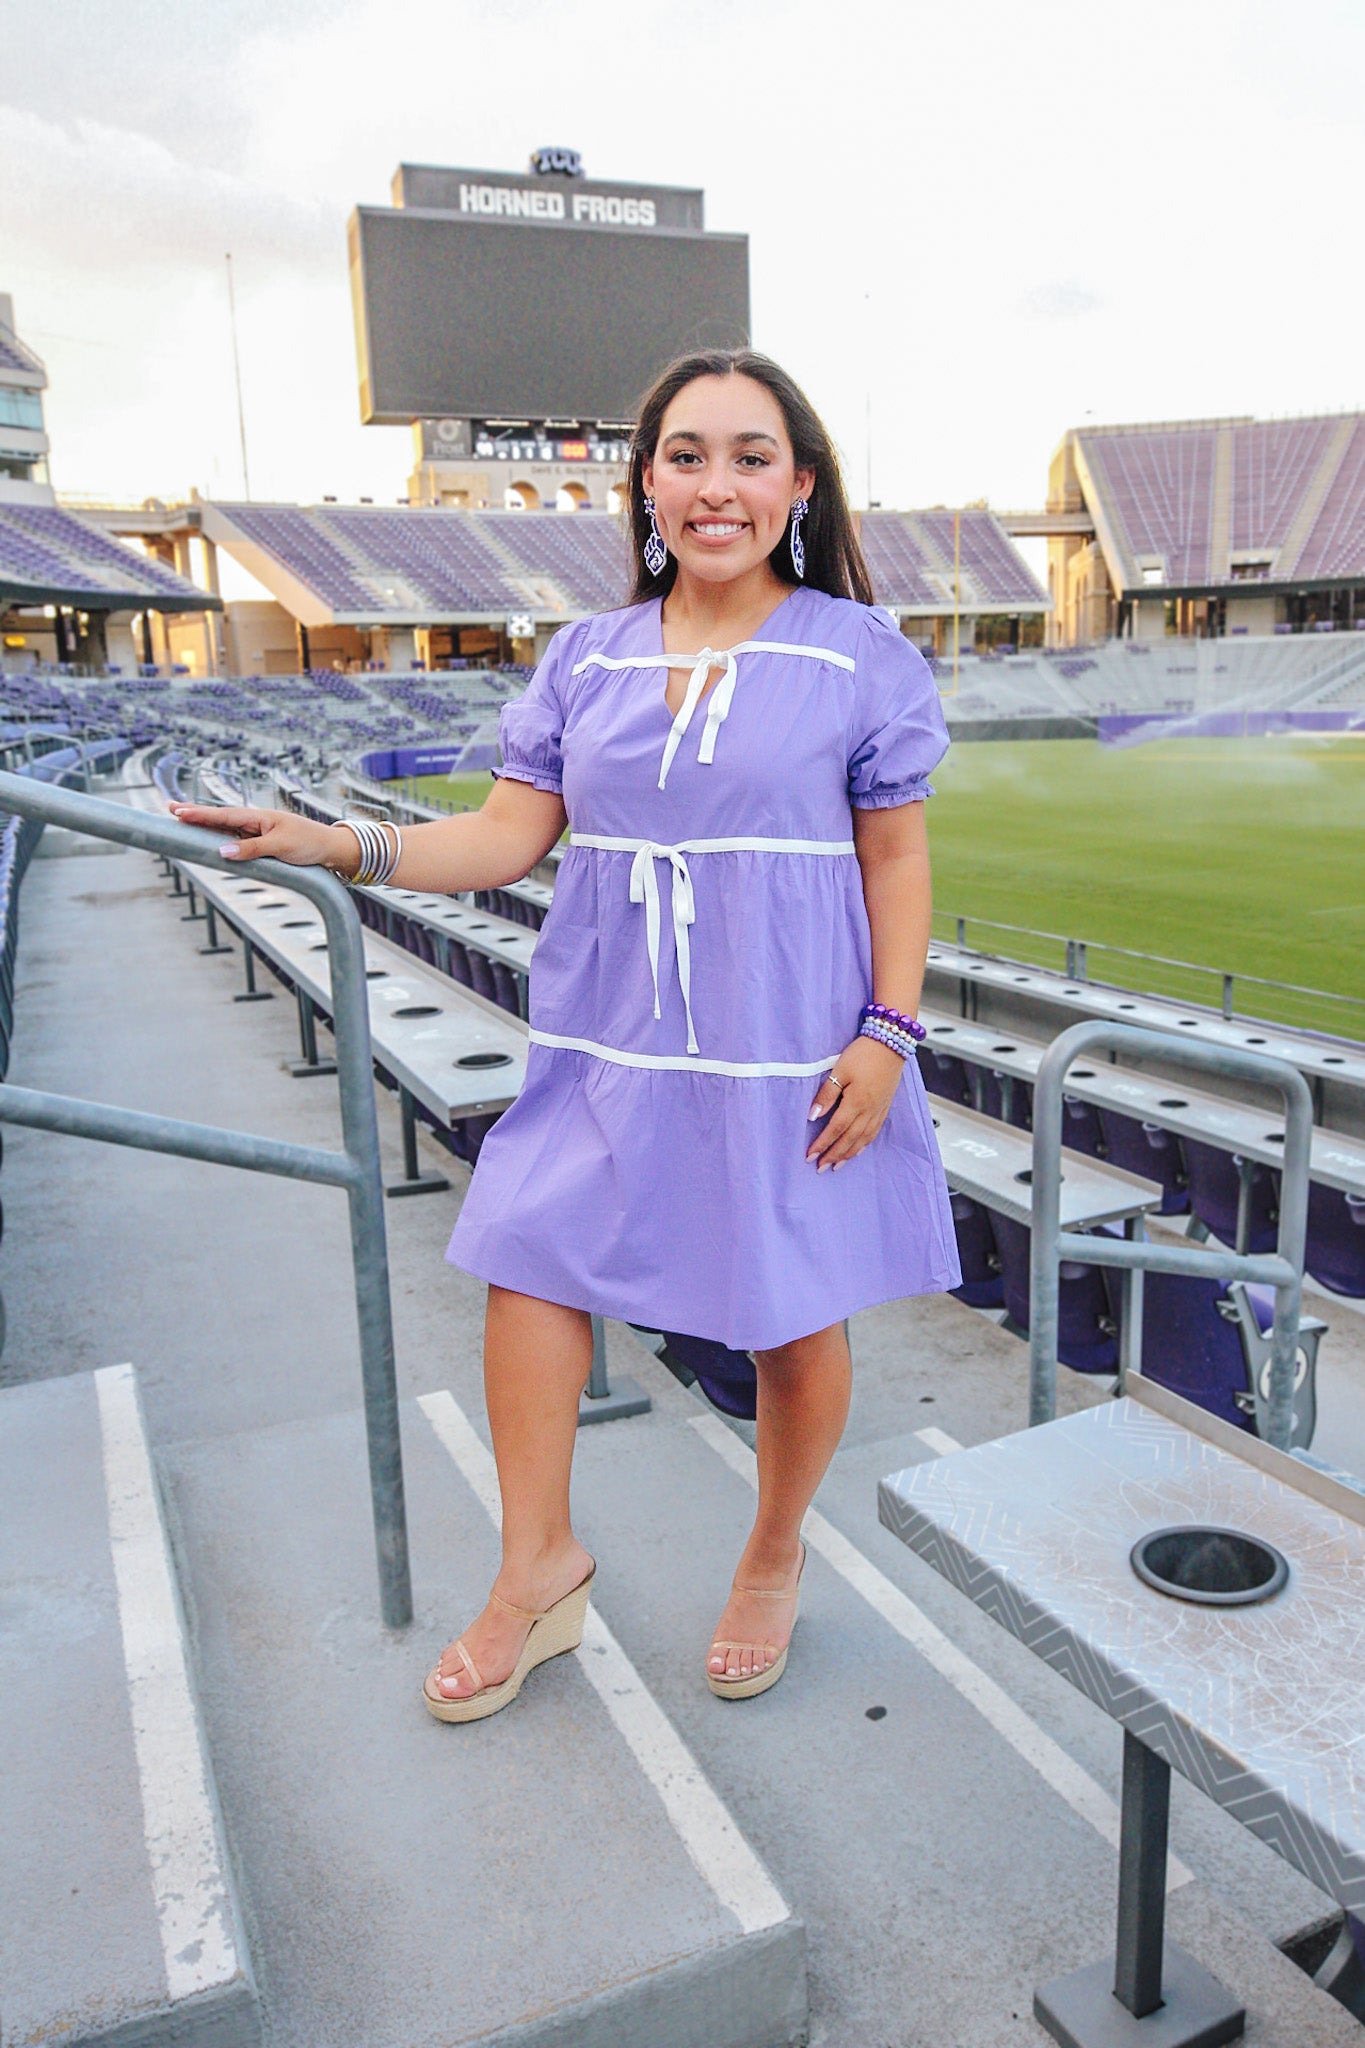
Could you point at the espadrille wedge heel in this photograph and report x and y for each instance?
(552, 1632)
(758, 1681)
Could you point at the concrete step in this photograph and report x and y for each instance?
(118, 1923)
(562, 1872)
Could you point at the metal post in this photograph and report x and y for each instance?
(1081, 969)
(1130, 1306)
(308, 1041)
(415, 1180)
(1282, 1269)
(213, 945)
(600, 1401)
(356, 1168)
(1142, 1877)
(193, 915)
(252, 994)
(962, 931)
(1245, 1173)
(1227, 997)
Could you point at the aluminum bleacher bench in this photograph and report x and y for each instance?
(450, 1053)
(1320, 1060)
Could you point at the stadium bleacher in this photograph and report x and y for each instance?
(45, 548)
(369, 562)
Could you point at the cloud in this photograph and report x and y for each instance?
(1060, 298)
(110, 200)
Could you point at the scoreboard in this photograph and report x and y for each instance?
(543, 298)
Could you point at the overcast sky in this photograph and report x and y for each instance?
(984, 222)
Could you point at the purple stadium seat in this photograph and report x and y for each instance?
(1214, 1190)
(1087, 1333)
(1082, 1129)
(1150, 1151)
(982, 1286)
(1336, 1240)
(507, 986)
(459, 963)
(1210, 1343)
(729, 1379)
(945, 1076)
(481, 975)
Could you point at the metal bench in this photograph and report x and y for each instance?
(447, 1049)
(1259, 1705)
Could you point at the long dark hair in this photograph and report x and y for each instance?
(834, 559)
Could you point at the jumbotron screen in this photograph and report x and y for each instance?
(479, 318)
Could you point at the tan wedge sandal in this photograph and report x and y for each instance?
(757, 1681)
(552, 1632)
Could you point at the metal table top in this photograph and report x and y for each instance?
(1263, 1707)
(423, 1049)
(993, 1163)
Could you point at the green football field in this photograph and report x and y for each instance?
(1242, 856)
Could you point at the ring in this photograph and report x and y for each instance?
(837, 1082)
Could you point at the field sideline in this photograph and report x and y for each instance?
(1240, 855)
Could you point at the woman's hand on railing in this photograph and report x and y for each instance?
(249, 834)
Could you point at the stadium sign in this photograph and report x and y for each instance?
(545, 202)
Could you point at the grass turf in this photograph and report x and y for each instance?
(1243, 856)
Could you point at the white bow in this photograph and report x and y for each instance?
(644, 888)
(717, 711)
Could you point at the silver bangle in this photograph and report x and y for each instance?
(378, 855)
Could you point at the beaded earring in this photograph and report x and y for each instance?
(656, 553)
(799, 511)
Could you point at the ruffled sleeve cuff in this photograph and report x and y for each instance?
(886, 796)
(524, 771)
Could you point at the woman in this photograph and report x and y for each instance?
(711, 1138)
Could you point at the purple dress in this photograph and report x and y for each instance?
(703, 965)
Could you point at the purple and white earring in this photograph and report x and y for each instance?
(799, 511)
(656, 553)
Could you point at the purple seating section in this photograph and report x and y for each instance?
(368, 560)
(14, 356)
(1161, 487)
(987, 553)
(52, 548)
(901, 572)
(1273, 462)
(1336, 544)
(585, 552)
(1159, 483)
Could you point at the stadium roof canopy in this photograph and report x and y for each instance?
(1202, 505)
(407, 566)
(51, 556)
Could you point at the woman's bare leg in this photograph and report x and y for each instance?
(803, 1395)
(536, 1360)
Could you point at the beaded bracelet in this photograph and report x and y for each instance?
(379, 855)
(890, 1028)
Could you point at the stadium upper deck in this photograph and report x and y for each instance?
(1210, 526)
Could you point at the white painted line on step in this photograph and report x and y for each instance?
(708, 1834)
(1024, 1736)
(938, 1441)
(192, 1905)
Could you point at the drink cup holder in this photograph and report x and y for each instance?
(1210, 1567)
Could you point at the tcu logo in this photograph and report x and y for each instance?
(567, 162)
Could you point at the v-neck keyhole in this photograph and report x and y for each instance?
(676, 685)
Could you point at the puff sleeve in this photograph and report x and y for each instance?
(531, 727)
(896, 733)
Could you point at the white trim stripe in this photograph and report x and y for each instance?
(193, 1910)
(683, 1063)
(617, 661)
(717, 1849)
(609, 845)
(1057, 1770)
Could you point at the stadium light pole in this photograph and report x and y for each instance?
(237, 375)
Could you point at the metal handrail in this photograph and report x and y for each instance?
(356, 1167)
(1281, 1269)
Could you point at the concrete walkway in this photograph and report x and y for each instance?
(934, 1805)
